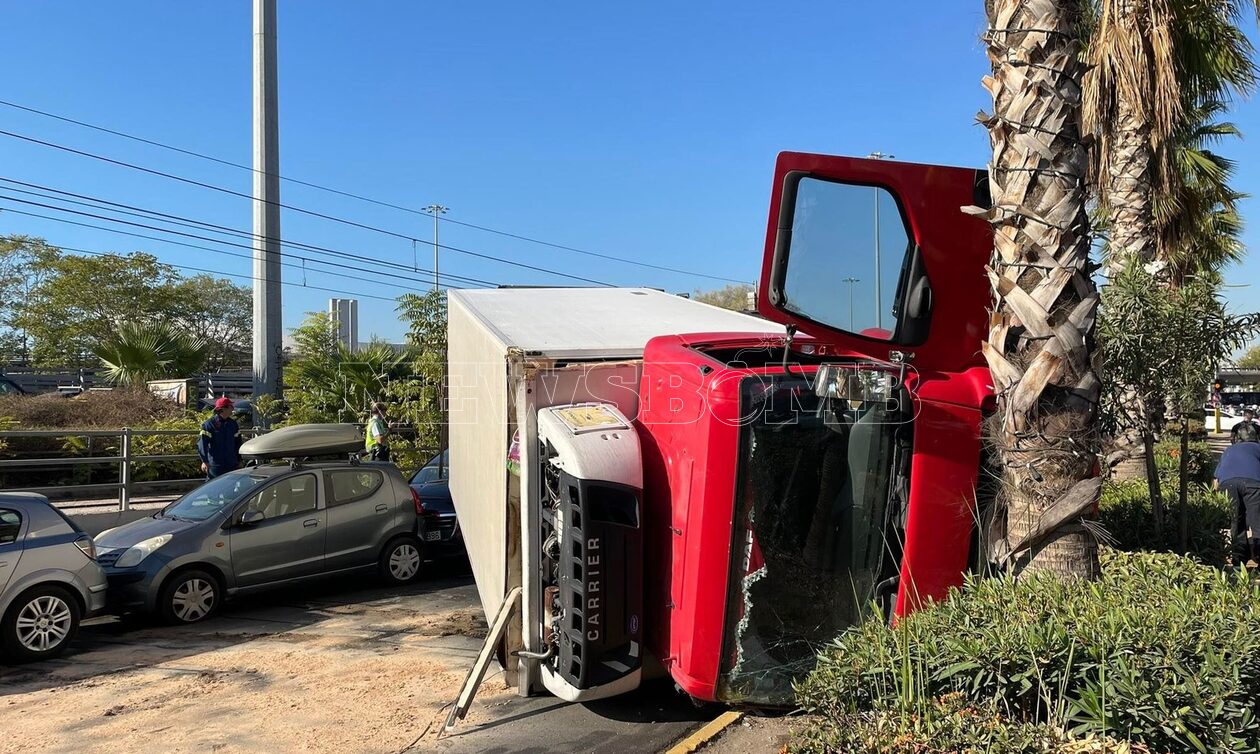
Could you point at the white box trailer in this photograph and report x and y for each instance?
(511, 353)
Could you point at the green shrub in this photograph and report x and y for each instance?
(1160, 650)
(947, 725)
(1202, 461)
(1125, 512)
(167, 445)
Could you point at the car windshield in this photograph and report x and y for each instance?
(435, 469)
(212, 497)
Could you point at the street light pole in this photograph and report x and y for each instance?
(851, 281)
(879, 306)
(437, 211)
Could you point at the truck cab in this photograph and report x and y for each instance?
(795, 486)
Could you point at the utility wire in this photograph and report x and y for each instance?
(229, 274)
(160, 229)
(312, 213)
(213, 250)
(245, 256)
(212, 227)
(360, 197)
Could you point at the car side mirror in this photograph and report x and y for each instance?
(251, 517)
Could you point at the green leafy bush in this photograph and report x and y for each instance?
(1125, 512)
(947, 725)
(1160, 650)
(1202, 462)
(167, 445)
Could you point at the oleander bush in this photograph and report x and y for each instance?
(947, 725)
(1125, 512)
(1160, 651)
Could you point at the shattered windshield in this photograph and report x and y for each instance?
(811, 513)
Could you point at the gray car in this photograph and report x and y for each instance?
(260, 527)
(49, 578)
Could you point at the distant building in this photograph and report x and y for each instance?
(344, 312)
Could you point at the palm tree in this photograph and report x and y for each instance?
(1159, 69)
(1040, 348)
(143, 351)
(1200, 227)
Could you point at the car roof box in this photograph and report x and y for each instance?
(305, 441)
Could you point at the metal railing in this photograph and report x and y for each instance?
(125, 487)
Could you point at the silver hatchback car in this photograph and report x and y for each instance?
(262, 527)
(49, 579)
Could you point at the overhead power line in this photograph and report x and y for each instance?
(291, 208)
(229, 274)
(300, 267)
(188, 222)
(362, 198)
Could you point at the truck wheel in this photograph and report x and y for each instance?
(189, 596)
(400, 560)
(40, 624)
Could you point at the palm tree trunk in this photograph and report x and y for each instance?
(1040, 348)
(1127, 198)
(1128, 190)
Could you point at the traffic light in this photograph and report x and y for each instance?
(1218, 385)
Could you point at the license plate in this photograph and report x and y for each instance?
(433, 536)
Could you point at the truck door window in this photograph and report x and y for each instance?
(811, 531)
(848, 248)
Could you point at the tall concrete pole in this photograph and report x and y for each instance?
(268, 332)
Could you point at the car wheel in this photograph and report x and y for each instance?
(40, 624)
(189, 597)
(400, 561)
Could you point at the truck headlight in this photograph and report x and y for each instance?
(138, 552)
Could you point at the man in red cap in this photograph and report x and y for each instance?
(220, 443)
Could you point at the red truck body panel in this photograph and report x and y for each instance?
(690, 424)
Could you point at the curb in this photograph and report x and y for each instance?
(707, 733)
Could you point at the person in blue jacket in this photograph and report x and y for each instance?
(220, 443)
(1238, 474)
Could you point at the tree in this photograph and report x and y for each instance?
(311, 381)
(220, 312)
(423, 401)
(1154, 66)
(57, 307)
(1040, 348)
(327, 382)
(1250, 359)
(1168, 342)
(142, 351)
(734, 296)
(82, 301)
(24, 263)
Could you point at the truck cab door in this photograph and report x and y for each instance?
(874, 256)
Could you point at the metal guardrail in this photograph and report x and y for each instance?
(125, 486)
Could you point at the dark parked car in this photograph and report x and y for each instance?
(262, 527)
(49, 579)
(438, 467)
(441, 534)
(442, 537)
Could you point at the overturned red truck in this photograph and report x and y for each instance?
(649, 485)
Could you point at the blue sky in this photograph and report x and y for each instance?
(646, 131)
